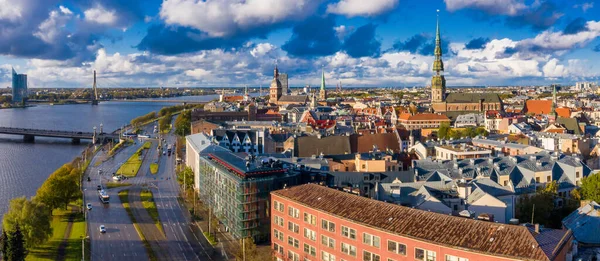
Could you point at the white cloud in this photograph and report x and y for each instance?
(11, 10)
(554, 70)
(585, 6)
(226, 17)
(197, 73)
(342, 31)
(51, 28)
(502, 7)
(65, 10)
(100, 15)
(262, 49)
(352, 8)
(557, 41)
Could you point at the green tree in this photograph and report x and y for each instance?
(444, 131)
(61, 188)
(163, 123)
(183, 123)
(33, 218)
(16, 245)
(4, 240)
(543, 204)
(186, 176)
(590, 187)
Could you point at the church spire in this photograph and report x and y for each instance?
(438, 65)
(276, 71)
(322, 79)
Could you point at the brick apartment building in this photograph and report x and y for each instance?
(312, 222)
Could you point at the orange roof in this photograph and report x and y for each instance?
(539, 106)
(271, 111)
(233, 98)
(404, 116)
(563, 112)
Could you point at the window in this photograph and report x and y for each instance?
(455, 258)
(279, 220)
(348, 249)
(310, 219)
(293, 242)
(310, 234)
(311, 250)
(278, 249)
(278, 234)
(327, 257)
(547, 178)
(425, 255)
(279, 206)
(537, 179)
(396, 247)
(368, 256)
(327, 241)
(349, 232)
(326, 225)
(293, 212)
(293, 256)
(371, 240)
(577, 174)
(293, 227)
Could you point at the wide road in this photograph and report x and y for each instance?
(121, 241)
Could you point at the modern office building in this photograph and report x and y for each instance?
(19, 87)
(236, 189)
(312, 222)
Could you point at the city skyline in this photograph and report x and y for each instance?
(235, 43)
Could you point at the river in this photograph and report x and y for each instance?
(25, 166)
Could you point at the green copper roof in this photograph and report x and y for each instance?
(322, 79)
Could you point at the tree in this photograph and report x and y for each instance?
(186, 176)
(444, 131)
(251, 252)
(16, 245)
(61, 188)
(4, 240)
(590, 187)
(33, 219)
(183, 123)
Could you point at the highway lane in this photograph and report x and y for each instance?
(121, 241)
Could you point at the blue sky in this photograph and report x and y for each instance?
(58, 43)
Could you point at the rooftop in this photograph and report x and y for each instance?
(477, 236)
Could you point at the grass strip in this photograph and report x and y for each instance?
(73, 249)
(210, 238)
(153, 168)
(124, 197)
(116, 185)
(150, 206)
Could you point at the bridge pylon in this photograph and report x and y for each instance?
(95, 94)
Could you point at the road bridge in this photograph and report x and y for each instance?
(76, 136)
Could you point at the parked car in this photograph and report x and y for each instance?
(102, 229)
(89, 206)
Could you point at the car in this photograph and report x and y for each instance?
(99, 187)
(164, 152)
(89, 206)
(116, 178)
(88, 178)
(102, 229)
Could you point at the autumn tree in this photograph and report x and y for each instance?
(33, 219)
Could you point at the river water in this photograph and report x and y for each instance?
(25, 166)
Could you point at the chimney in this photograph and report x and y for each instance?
(537, 228)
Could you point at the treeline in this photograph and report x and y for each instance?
(183, 123)
(32, 217)
(165, 122)
(144, 118)
(446, 132)
(176, 108)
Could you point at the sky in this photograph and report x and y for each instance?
(214, 43)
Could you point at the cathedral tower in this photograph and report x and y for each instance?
(322, 92)
(275, 90)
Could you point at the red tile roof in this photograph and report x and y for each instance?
(511, 241)
(423, 117)
(538, 106)
(563, 112)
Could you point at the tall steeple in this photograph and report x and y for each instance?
(438, 82)
(275, 89)
(323, 92)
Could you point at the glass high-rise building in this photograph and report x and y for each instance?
(19, 87)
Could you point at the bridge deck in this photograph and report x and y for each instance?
(55, 133)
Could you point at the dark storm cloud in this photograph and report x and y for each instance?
(422, 44)
(362, 42)
(477, 43)
(538, 18)
(313, 37)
